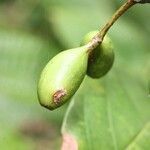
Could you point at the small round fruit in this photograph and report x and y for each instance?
(62, 76)
(101, 58)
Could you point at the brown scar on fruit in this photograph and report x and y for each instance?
(58, 95)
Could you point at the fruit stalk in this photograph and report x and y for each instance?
(98, 38)
(115, 17)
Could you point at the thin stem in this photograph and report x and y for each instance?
(97, 39)
(115, 17)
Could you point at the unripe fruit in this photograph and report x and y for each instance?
(101, 58)
(62, 76)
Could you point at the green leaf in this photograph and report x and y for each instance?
(108, 113)
(141, 139)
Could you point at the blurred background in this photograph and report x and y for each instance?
(32, 32)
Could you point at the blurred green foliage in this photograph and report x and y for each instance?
(32, 32)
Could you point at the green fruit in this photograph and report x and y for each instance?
(101, 58)
(62, 76)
